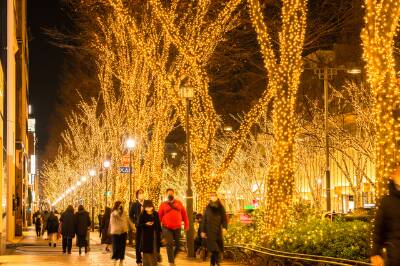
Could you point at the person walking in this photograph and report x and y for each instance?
(68, 224)
(82, 226)
(38, 225)
(52, 229)
(171, 214)
(134, 212)
(213, 227)
(149, 227)
(100, 219)
(45, 216)
(386, 230)
(106, 238)
(119, 225)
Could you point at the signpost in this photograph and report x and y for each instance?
(107, 193)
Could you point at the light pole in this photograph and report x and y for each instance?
(327, 73)
(92, 174)
(188, 93)
(130, 144)
(106, 165)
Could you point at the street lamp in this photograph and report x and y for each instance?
(130, 144)
(106, 165)
(325, 74)
(187, 93)
(92, 173)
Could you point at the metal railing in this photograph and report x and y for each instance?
(260, 256)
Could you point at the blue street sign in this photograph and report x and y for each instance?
(125, 170)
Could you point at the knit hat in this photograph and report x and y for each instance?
(147, 204)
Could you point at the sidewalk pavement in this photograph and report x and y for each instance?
(34, 251)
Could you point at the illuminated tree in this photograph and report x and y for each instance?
(381, 24)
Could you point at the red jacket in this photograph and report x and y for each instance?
(172, 218)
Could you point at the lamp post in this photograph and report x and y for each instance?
(106, 165)
(187, 93)
(92, 174)
(130, 144)
(327, 73)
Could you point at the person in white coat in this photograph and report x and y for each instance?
(119, 226)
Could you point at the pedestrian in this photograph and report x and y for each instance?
(35, 215)
(134, 212)
(52, 229)
(172, 213)
(149, 227)
(106, 238)
(45, 216)
(119, 225)
(82, 226)
(386, 233)
(68, 224)
(213, 227)
(38, 225)
(100, 219)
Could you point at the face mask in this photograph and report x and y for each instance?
(170, 197)
(149, 209)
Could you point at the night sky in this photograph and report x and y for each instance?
(45, 63)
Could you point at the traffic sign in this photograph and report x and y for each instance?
(125, 170)
(107, 193)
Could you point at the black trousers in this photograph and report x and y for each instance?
(215, 258)
(67, 243)
(137, 247)
(119, 245)
(38, 230)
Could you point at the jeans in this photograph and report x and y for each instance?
(215, 258)
(137, 247)
(38, 230)
(119, 245)
(172, 237)
(67, 243)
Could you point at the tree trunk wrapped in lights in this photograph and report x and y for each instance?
(284, 77)
(381, 25)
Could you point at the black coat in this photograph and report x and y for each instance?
(387, 226)
(135, 211)
(68, 224)
(100, 218)
(106, 238)
(52, 224)
(150, 235)
(214, 219)
(82, 223)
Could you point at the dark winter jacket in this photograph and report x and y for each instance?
(68, 224)
(135, 211)
(387, 226)
(214, 220)
(172, 214)
(38, 222)
(106, 238)
(52, 224)
(150, 235)
(100, 218)
(82, 222)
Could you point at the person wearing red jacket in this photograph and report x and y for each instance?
(172, 213)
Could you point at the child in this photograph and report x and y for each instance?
(150, 229)
(38, 225)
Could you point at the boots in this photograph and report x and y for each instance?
(80, 250)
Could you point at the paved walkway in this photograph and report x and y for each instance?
(35, 251)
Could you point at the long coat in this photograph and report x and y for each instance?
(68, 224)
(135, 211)
(52, 224)
(214, 219)
(82, 226)
(106, 238)
(150, 241)
(387, 227)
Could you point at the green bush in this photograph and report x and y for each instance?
(308, 235)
